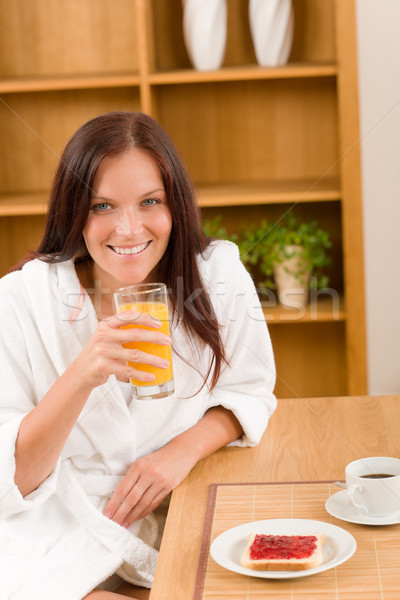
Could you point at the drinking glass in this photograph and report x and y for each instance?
(148, 298)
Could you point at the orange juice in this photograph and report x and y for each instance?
(160, 312)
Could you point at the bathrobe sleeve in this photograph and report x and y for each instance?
(17, 396)
(246, 385)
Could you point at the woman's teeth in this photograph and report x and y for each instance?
(134, 250)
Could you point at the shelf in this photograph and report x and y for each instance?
(71, 82)
(325, 309)
(12, 205)
(248, 72)
(273, 192)
(234, 194)
(251, 72)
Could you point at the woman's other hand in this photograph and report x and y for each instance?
(151, 478)
(148, 481)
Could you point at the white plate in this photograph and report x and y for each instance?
(227, 548)
(338, 506)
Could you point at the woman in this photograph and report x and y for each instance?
(84, 467)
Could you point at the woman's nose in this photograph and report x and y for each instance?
(129, 225)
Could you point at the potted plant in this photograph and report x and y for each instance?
(290, 255)
(300, 257)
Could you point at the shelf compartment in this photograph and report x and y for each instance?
(235, 219)
(40, 123)
(310, 359)
(314, 33)
(276, 129)
(70, 82)
(271, 192)
(253, 130)
(244, 73)
(43, 38)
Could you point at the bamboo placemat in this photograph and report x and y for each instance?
(372, 573)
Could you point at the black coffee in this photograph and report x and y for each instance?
(376, 475)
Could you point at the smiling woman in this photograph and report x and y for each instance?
(82, 462)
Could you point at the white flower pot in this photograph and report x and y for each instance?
(204, 31)
(271, 26)
(292, 279)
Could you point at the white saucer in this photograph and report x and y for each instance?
(339, 506)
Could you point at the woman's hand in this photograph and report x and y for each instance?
(105, 355)
(148, 481)
(151, 478)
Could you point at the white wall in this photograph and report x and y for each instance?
(378, 23)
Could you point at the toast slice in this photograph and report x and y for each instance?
(267, 552)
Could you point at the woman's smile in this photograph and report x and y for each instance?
(130, 250)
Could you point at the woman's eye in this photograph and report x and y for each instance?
(101, 207)
(151, 201)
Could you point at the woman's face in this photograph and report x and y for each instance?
(129, 222)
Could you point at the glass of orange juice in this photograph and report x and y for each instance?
(148, 298)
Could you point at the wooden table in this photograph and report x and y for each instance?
(306, 440)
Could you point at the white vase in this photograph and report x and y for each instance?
(204, 31)
(271, 26)
(292, 278)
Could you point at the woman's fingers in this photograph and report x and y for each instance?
(147, 506)
(145, 485)
(135, 327)
(135, 502)
(136, 334)
(125, 499)
(134, 357)
(126, 372)
(114, 337)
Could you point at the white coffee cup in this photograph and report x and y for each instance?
(373, 485)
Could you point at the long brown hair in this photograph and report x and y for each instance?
(69, 203)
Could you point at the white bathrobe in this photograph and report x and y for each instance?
(55, 542)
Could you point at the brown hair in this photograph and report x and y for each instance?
(69, 203)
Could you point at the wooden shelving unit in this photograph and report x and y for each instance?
(258, 142)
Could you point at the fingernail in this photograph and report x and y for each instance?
(125, 524)
(108, 514)
(165, 364)
(166, 340)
